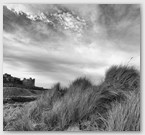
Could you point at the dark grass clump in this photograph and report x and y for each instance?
(81, 82)
(46, 102)
(70, 108)
(124, 77)
(125, 116)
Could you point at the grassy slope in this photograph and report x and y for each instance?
(16, 92)
(113, 105)
(13, 91)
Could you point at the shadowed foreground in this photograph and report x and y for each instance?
(113, 105)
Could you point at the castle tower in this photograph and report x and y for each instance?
(29, 82)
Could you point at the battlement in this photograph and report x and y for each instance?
(29, 82)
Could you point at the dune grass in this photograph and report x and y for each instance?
(113, 105)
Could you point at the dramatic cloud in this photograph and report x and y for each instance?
(122, 23)
(61, 42)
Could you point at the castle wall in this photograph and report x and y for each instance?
(29, 82)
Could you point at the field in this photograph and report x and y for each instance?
(113, 105)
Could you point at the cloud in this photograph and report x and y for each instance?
(44, 26)
(20, 23)
(10, 19)
(122, 23)
(62, 42)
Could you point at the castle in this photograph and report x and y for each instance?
(7, 78)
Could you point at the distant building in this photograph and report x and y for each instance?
(29, 82)
(8, 79)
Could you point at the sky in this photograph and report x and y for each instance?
(59, 43)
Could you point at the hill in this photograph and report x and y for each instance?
(16, 92)
(113, 105)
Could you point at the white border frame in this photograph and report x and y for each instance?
(142, 54)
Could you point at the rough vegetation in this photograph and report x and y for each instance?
(113, 105)
(16, 92)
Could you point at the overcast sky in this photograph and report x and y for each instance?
(58, 43)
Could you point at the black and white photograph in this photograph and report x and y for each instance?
(71, 67)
